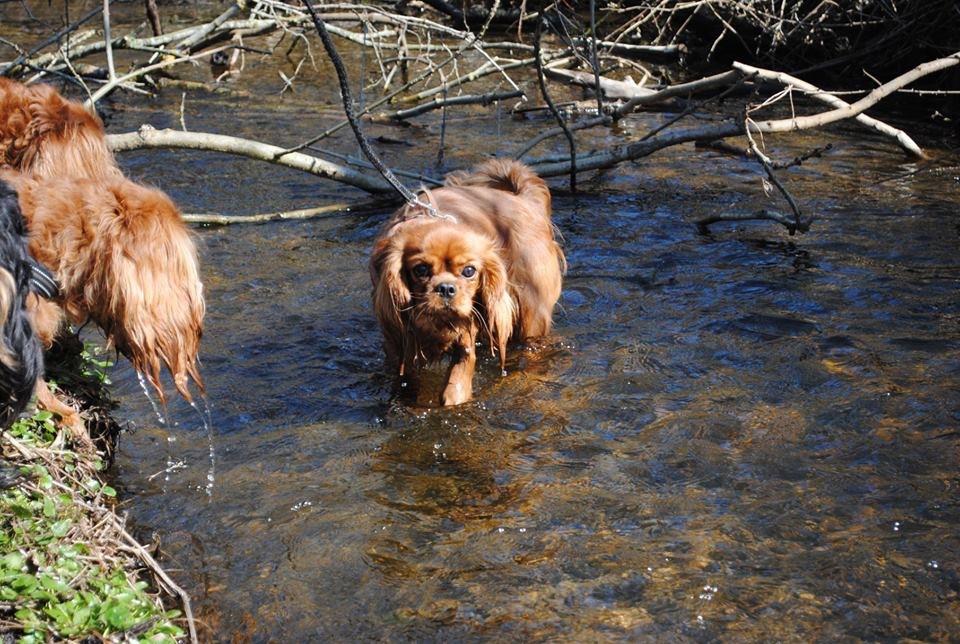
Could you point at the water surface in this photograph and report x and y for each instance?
(738, 435)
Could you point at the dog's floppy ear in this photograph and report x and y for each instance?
(390, 293)
(501, 309)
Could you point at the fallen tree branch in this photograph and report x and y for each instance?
(643, 96)
(770, 215)
(148, 138)
(489, 68)
(463, 99)
(652, 53)
(153, 15)
(640, 96)
(594, 62)
(350, 111)
(549, 134)
(326, 212)
(198, 36)
(610, 88)
(363, 163)
(469, 40)
(111, 70)
(49, 61)
(853, 109)
(598, 160)
(732, 150)
(682, 89)
(117, 82)
(798, 220)
(608, 158)
(901, 137)
(22, 59)
(623, 90)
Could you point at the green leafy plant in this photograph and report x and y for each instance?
(95, 363)
(64, 573)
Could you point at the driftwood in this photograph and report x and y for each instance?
(740, 73)
(595, 160)
(901, 137)
(321, 212)
(611, 89)
(440, 103)
(148, 137)
(421, 43)
(652, 53)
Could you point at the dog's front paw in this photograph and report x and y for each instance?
(75, 424)
(70, 418)
(456, 393)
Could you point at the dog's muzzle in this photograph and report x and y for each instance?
(446, 290)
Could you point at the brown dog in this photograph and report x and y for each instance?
(488, 265)
(43, 133)
(123, 255)
(125, 260)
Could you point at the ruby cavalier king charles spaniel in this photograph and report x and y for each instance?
(121, 252)
(485, 264)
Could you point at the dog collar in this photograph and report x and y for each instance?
(42, 280)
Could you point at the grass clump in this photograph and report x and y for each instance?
(68, 568)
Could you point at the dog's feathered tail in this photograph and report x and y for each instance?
(514, 177)
(508, 175)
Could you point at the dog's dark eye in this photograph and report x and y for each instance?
(468, 271)
(421, 270)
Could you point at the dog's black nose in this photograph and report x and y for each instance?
(446, 290)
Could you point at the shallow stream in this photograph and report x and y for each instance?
(742, 435)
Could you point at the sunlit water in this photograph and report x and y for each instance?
(740, 435)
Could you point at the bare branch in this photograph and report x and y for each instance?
(653, 53)
(902, 138)
(683, 89)
(865, 103)
(635, 150)
(148, 137)
(153, 15)
(326, 212)
(112, 72)
(198, 35)
(463, 99)
(9, 68)
(114, 83)
(769, 215)
(798, 221)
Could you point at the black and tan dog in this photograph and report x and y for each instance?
(21, 357)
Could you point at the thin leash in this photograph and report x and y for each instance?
(412, 200)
